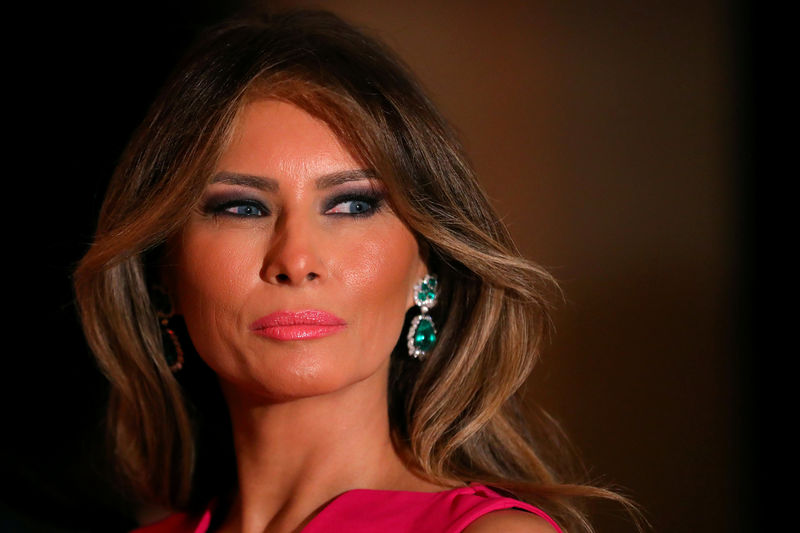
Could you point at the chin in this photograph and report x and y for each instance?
(295, 376)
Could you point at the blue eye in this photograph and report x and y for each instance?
(236, 208)
(351, 207)
(244, 210)
(355, 203)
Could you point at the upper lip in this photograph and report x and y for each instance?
(307, 317)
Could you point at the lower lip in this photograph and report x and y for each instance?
(298, 332)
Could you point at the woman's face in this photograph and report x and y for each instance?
(294, 275)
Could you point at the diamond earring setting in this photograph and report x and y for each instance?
(422, 333)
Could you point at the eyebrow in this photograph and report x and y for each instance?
(267, 184)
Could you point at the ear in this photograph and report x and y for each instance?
(168, 286)
(424, 258)
(166, 276)
(421, 270)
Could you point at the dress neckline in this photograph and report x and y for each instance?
(336, 500)
(209, 515)
(401, 501)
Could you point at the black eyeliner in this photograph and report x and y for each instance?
(218, 204)
(375, 199)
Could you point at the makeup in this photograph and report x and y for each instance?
(297, 325)
(361, 202)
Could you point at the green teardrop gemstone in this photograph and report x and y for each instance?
(424, 336)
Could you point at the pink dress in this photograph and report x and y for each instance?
(384, 511)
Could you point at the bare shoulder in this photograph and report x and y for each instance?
(510, 521)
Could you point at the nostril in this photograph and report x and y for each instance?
(312, 276)
(282, 278)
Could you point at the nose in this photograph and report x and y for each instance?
(293, 257)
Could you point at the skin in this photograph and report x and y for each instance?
(275, 233)
(292, 254)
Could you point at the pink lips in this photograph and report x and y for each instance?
(297, 325)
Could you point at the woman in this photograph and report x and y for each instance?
(295, 200)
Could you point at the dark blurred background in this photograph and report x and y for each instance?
(612, 136)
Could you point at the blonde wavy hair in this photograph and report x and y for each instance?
(456, 415)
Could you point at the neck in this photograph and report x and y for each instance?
(294, 456)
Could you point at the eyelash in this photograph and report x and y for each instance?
(373, 199)
(220, 207)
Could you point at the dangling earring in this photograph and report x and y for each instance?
(422, 333)
(173, 352)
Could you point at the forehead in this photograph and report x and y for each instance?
(278, 139)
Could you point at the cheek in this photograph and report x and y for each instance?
(214, 277)
(214, 269)
(384, 270)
